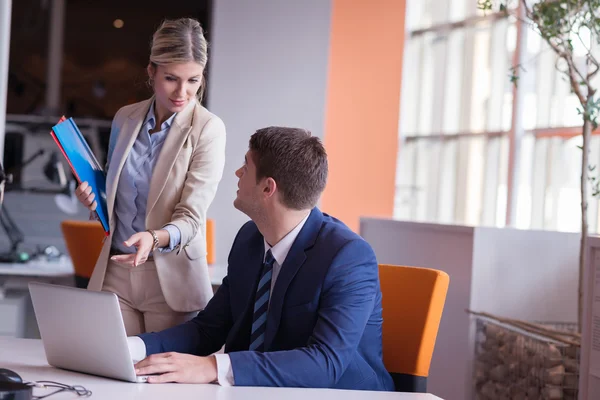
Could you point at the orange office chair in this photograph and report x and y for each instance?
(210, 241)
(84, 242)
(413, 301)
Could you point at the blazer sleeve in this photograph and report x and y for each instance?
(345, 307)
(203, 177)
(201, 336)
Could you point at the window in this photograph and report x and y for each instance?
(458, 124)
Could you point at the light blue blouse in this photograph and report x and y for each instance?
(134, 184)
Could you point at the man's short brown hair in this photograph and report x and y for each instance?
(295, 159)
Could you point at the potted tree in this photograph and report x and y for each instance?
(559, 23)
(531, 366)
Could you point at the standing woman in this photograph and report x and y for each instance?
(165, 160)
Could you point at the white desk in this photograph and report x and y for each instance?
(39, 267)
(14, 314)
(63, 268)
(18, 275)
(14, 308)
(27, 358)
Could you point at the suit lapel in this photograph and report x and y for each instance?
(174, 141)
(251, 270)
(128, 133)
(294, 260)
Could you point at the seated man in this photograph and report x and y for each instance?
(301, 304)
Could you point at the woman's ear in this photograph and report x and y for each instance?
(151, 71)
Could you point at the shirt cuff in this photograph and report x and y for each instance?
(174, 238)
(137, 348)
(224, 371)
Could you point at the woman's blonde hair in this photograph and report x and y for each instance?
(180, 41)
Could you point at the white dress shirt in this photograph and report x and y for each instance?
(137, 347)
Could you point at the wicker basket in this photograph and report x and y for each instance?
(517, 363)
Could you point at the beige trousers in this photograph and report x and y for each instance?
(142, 303)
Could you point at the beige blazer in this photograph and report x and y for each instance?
(183, 185)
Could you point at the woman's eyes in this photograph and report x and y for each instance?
(172, 79)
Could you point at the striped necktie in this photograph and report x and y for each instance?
(261, 305)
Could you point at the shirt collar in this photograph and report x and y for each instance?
(151, 118)
(282, 248)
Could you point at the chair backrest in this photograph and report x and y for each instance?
(84, 241)
(210, 241)
(413, 302)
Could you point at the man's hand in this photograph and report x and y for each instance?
(143, 241)
(178, 367)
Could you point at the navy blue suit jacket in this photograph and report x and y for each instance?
(324, 321)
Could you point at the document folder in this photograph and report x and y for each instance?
(83, 163)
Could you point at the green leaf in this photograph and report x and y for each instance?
(580, 148)
(513, 76)
(484, 5)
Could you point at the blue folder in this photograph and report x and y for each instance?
(83, 163)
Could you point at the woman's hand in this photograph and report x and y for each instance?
(85, 196)
(143, 241)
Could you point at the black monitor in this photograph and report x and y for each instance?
(14, 144)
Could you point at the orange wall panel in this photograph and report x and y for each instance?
(362, 108)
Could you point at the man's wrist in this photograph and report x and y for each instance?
(224, 371)
(213, 375)
(137, 348)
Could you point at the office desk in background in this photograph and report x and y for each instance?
(39, 267)
(62, 268)
(27, 358)
(16, 313)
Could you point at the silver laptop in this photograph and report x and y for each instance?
(83, 331)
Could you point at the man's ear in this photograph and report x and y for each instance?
(270, 187)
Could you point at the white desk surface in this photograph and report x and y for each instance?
(64, 268)
(39, 267)
(27, 358)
